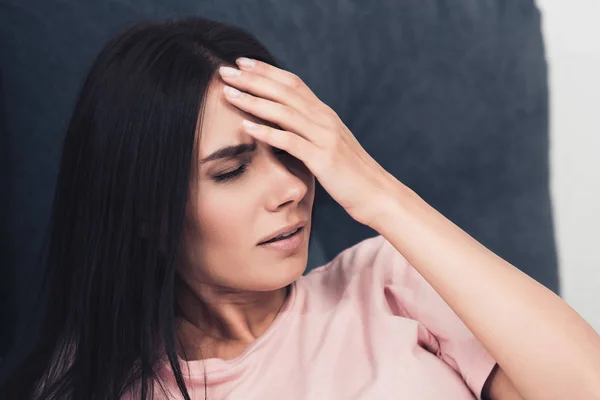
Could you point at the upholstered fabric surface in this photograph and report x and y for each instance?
(449, 96)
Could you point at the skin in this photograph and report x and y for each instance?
(218, 303)
(544, 349)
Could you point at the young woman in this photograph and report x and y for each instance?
(180, 234)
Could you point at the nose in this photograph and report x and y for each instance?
(286, 185)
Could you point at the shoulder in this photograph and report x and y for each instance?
(372, 263)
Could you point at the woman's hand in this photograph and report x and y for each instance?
(543, 347)
(313, 133)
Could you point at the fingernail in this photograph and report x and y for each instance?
(246, 62)
(228, 71)
(249, 125)
(232, 92)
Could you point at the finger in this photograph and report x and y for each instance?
(279, 114)
(279, 75)
(269, 89)
(293, 144)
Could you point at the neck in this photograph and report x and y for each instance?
(219, 322)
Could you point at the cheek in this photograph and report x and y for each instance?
(223, 220)
(218, 232)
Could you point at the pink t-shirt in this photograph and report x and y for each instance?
(364, 326)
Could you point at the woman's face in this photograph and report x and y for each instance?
(236, 202)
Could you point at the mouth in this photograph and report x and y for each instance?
(284, 233)
(283, 236)
(290, 242)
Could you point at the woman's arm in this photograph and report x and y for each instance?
(499, 387)
(544, 347)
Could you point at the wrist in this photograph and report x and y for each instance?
(393, 205)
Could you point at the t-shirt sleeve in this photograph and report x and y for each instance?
(413, 297)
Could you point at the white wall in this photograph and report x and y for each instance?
(572, 33)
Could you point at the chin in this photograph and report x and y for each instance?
(279, 275)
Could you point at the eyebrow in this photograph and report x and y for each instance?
(230, 152)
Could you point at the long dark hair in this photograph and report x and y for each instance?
(118, 212)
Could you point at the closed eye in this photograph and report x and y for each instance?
(232, 175)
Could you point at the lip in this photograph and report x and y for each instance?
(288, 246)
(285, 229)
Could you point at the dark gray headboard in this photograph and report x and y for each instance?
(448, 95)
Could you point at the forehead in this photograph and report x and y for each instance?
(222, 122)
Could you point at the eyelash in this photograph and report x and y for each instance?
(229, 176)
(235, 174)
